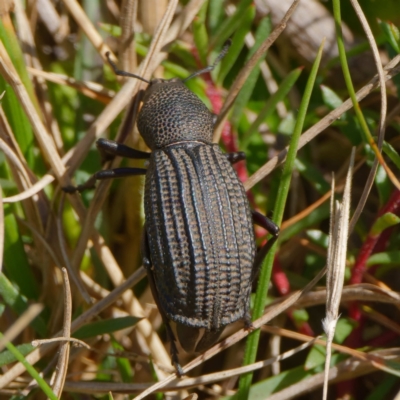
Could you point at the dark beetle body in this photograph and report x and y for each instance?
(198, 220)
(198, 243)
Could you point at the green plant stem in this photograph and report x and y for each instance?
(265, 273)
(31, 370)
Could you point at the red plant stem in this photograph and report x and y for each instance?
(373, 243)
(279, 278)
(282, 285)
(383, 339)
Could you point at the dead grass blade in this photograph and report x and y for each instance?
(26, 36)
(86, 25)
(128, 21)
(63, 354)
(382, 118)
(336, 264)
(20, 324)
(184, 383)
(92, 90)
(45, 140)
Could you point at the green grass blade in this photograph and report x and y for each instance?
(105, 326)
(200, 34)
(245, 93)
(6, 357)
(19, 304)
(237, 43)
(271, 103)
(15, 260)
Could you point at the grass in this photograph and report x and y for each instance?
(288, 110)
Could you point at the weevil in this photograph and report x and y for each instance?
(198, 244)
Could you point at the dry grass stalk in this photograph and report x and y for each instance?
(63, 354)
(186, 383)
(383, 112)
(336, 263)
(21, 324)
(128, 24)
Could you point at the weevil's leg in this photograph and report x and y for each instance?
(273, 229)
(110, 148)
(105, 174)
(149, 268)
(233, 158)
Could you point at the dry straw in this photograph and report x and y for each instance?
(336, 263)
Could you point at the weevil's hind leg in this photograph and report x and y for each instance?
(108, 149)
(104, 174)
(208, 339)
(149, 268)
(233, 158)
(273, 229)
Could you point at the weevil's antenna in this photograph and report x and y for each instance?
(221, 55)
(123, 73)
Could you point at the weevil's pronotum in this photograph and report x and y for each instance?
(198, 243)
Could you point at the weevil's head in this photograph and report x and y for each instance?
(171, 113)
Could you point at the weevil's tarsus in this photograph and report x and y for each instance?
(233, 158)
(102, 175)
(108, 149)
(119, 72)
(221, 55)
(273, 229)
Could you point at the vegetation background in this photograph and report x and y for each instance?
(59, 94)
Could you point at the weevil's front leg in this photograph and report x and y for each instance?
(233, 158)
(110, 148)
(105, 174)
(273, 229)
(150, 274)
